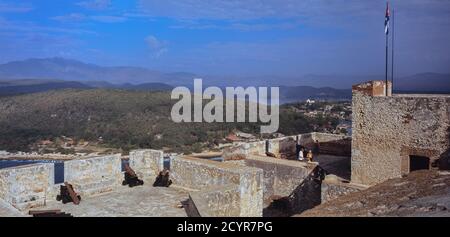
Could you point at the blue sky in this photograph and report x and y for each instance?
(240, 38)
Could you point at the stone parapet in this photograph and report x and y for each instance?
(198, 175)
(285, 147)
(214, 201)
(147, 163)
(25, 187)
(94, 175)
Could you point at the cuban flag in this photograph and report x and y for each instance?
(386, 21)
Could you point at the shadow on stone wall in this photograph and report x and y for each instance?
(444, 160)
(287, 148)
(304, 197)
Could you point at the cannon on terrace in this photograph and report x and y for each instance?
(131, 178)
(163, 179)
(67, 194)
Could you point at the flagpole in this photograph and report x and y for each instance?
(387, 59)
(392, 63)
(387, 47)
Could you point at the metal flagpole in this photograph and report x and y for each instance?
(387, 59)
(392, 63)
(387, 46)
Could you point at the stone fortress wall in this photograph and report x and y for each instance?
(215, 188)
(94, 175)
(26, 186)
(147, 163)
(284, 147)
(297, 183)
(219, 188)
(387, 130)
(30, 186)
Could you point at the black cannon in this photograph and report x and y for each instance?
(67, 194)
(163, 179)
(131, 178)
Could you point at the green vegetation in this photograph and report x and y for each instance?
(118, 119)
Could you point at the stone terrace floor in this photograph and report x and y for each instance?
(141, 201)
(8, 211)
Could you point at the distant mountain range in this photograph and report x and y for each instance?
(75, 74)
(26, 86)
(72, 70)
(298, 93)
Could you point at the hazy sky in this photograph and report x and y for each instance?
(228, 37)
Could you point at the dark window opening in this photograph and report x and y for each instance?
(418, 163)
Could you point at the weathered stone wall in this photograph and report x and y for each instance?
(147, 163)
(26, 186)
(281, 177)
(334, 189)
(288, 179)
(199, 174)
(285, 147)
(214, 201)
(332, 144)
(94, 175)
(387, 130)
(307, 194)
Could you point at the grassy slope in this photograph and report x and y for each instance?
(125, 119)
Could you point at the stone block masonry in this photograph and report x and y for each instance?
(26, 187)
(200, 175)
(281, 177)
(387, 130)
(333, 189)
(296, 182)
(95, 175)
(285, 147)
(147, 164)
(215, 201)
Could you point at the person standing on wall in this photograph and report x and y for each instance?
(301, 154)
(298, 148)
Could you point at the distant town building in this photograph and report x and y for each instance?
(310, 101)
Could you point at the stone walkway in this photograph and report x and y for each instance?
(141, 201)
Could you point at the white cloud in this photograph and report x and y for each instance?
(14, 7)
(95, 4)
(108, 19)
(330, 13)
(157, 47)
(76, 17)
(193, 24)
(250, 9)
(73, 17)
